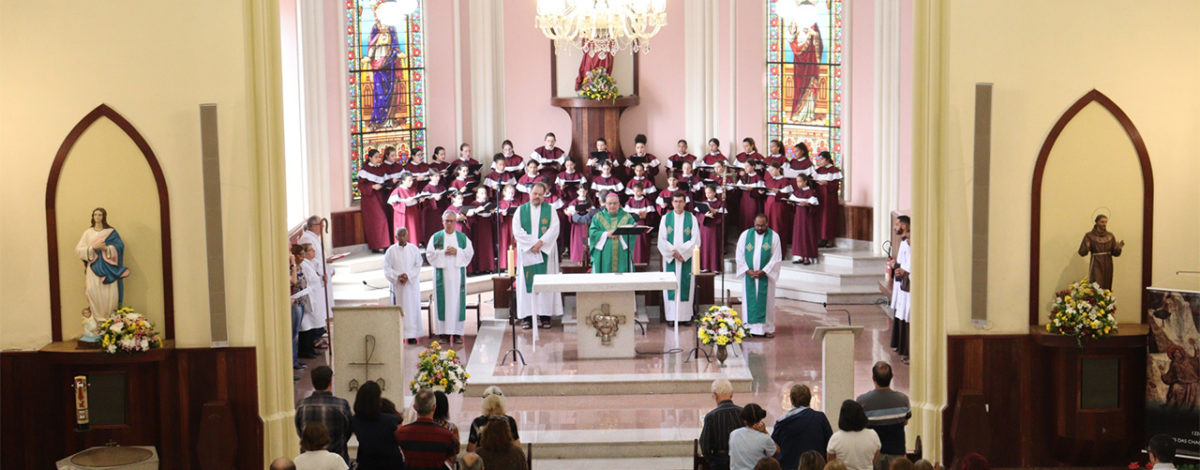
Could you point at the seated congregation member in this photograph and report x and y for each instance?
(330, 412)
(426, 445)
(643, 211)
(282, 463)
(801, 429)
(664, 196)
(449, 252)
(775, 151)
(750, 443)
(829, 180)
(801, 163)
(508, 206)
(567, 182)
(598, 156)
(513, 163)
(854, 444)
(496, 447)
(704, 166)
(580, 212)
(640, 155)
(438, 163)
(681, 156)
(712, 224)
(718, 423)
(481, 226)
(402, 268)
(493, 407)
(804, 221)
(812, 460)
(441, 416)
(688, 180)
(464, 159)
(377, 446)
(371, 178)
(499, 176)
(417, 167)
(606, 181)
(550, 158)
(767, 463)
(314, 456)
(469, 461)
(433, 205)
(887, 411)
(754, 193)
(779, 214)
(406, 202)
(748, 156)
(640, 176)
(526, 181)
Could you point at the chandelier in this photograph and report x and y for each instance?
(601, 27)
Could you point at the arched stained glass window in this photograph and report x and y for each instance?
(804, 77)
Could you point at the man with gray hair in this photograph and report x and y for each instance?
(449, 251)
(426, 444)
(718, 423)
(611, 253)
(470, 461)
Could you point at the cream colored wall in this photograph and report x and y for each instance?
(106, 169)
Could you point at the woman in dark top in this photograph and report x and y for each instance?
(377, 448)
(496, 447)
(493, 406)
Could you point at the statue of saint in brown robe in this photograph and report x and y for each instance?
(1103, 246)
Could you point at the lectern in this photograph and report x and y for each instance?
(837, 366)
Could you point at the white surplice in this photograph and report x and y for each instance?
(772, 268)
(315, 317)
(406, 260)
(678, 309)
(539, 303)
(901, 299)
(314, 239)
(452, 272)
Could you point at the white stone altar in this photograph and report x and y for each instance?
(837, 366)
(605, 307)
(368, 344)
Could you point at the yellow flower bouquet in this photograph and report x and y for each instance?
(599, 85)
(439, 369)
(721, 326)
(1083, 310)
(127, 331)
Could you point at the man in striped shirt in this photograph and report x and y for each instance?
(718, 423)
(426, 444)
(887, 411)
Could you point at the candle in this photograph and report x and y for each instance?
(696, 260)
(512, 258)
(80, 385)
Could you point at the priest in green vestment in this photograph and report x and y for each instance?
(449, 252)
(758, 257)
(611, 253)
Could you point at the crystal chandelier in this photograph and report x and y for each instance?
(601, 27)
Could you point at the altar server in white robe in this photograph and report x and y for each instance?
(758, 256)
(535, 229)
(312, 324)
(901, 300)
(678, 237)
(449, 251)
(312, 235)
(402, 268)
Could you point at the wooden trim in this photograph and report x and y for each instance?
(164, 214)
(622, 102)
(1147, 197)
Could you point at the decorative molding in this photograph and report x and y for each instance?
(1035, 212)
(164, 215)
(487, 77)
(886, 151)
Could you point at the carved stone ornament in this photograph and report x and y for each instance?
(605, 323)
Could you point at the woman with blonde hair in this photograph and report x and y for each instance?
(493, 406)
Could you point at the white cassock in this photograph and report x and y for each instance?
(540, 303)
(315, 317)
(406, 260)
(672, 239)
(900, 299)
(314, 239)
(452, 295)
(762, 319)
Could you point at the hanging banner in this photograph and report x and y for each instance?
(1173, 369)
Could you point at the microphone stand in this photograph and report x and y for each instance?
(721, 238)
(847, 312)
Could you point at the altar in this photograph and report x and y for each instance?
(605, 307)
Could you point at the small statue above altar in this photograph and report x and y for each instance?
(1102, 245)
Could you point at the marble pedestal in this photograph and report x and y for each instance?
(837, 366)
(368, 344)
(605, 308)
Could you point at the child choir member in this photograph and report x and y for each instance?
(643, 211)
(648, 160)
(464, 159)
(417, 167)
(568, 181)
(438, 163)
(711, 229)
(751, 201)
(640, 176)
(801, 164)
(481, 227)
(775, 147)
(804, 227)
(433, 206)
(689, 181)
(508, 206)
(749, 154)
(829, 179)
(526, 181)
(499, 176)
(577, 210)
(720, 178)
(681, 155)
(779, 214)
(550, 158)
(462, 180)
(559, 204)
(406, 206)
(371, 178)
(391, 163)
(605, 181)
(513, 163)
(600, 155)
(704, 166)
(664, 196)
(456, 206)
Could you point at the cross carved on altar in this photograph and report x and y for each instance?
(368, 354)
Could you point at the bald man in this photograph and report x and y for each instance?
(611, 253)
(449, 251)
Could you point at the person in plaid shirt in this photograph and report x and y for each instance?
(322, 407)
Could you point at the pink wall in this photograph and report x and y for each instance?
(660, 112)
(528, 115)
(904, 202)
(860, 51)
(751, 76)
(441, 112)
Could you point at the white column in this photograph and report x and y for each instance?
(700, 24)
(886, 153)
(487, 77)
(315, 21)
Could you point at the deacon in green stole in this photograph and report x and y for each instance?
(758, 263)
(535, 230)
(611, 253)
(449, 252)
(678, 236)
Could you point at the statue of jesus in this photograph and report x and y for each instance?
(103, 255)
(1103, 246)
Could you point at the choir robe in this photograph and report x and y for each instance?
(513, 164)
(406, 211)
(641, 244)
(578, 247)
(607, 183)
(374, 213)
(651, 163)
(481, 226)
(507, 208)
(552, 156)
(433, 211)
(406, 260)
(441, 168)
(675, 162)
(530, 225)
(420, 171)
(743, 159)
(474, 175)
(610, 255)
(798, 167)
(678, 233)
(564, 232)
(704, 166)
(779, 214)
(664, 199)
(565, 191)
(692, 184)
(648, 187)
(460, 185)
(525, 186)
(831, 207)
(495, 182)
(710, 236)
(594, 168)
(449, 305)
(804, 228)
(776, 158)
(758, 252)
(751, 203)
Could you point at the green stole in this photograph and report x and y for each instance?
(685, 272)
(440, 279)
(756, 289)
(609, 223)
(527, 226)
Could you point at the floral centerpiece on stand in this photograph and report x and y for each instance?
(599, 85)
(721, 326)
(1083, 310)
(127, 331)
(439, 369)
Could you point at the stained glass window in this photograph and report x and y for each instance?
(387, 83)
(804, 78)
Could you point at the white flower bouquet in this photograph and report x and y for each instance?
(127, 331)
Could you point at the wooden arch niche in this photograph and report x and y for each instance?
(1100, 166)
(105, 162)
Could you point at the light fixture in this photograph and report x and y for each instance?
(601, 27)
(395, 12)
(798, 12)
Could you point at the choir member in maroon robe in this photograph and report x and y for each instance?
(526, 181)
(664, 196)
(648, 160)
(605, 181)
(749, 154)
(513, 163)
(779, 214)
(642, 209)
(499, 176)
(829, 180)
(406, 206)
(753, 193)
(704, 166)
(393, 167)
(434, 205)
(592, 165)
(464, 159)
(712, 226)
(577, 211)
(374, 217)
(689, 181)
(482, 230)
(439, 164)
(567, 182)
(676, 161)
(508, 207)
(551, 158)
(804, 227)
(457, 207)
(801, 163)
(640, 176)
(775, 150)
(462, 181)
(417, 166)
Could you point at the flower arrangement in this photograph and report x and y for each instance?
(599, 85)
(722, 326)
(1083, 310)
(439, 369)
(129, 332)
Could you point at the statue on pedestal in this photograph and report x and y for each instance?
(1103, 246)
(103, 254)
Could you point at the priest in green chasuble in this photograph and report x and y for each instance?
(611, 253)
(449, 251)
(535, 229)
(759, 256)
(678, 237)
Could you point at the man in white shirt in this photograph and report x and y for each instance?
(402, 268)
(1161, 452)
(535, 229)
(678, 236)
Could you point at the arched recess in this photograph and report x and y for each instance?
(1147, 174)
(60, 158)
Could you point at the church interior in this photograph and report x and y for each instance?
(783, 203)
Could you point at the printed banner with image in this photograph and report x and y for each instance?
(1173, 368)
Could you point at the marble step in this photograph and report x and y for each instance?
(359, 294)
(852, 258)
(825, 275)
(374, 277)
(633, 446)
(630, 463)
(848, 295)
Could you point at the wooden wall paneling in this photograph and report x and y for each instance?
(858, 225)
(28, 400)
(347, 228)
(1000, 368)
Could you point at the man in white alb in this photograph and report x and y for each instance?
(758, 263)
(402, 268)
(535, 229)
(678, 236)
(449, 251)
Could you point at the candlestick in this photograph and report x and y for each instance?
(512, 258)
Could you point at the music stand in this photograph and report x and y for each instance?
(512, 325)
